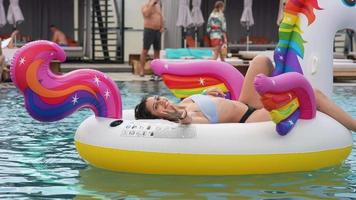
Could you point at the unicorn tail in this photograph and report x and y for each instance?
(51, 97)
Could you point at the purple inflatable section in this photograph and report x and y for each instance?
(292, 81)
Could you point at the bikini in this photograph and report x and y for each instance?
(247, 114)
(209, 109)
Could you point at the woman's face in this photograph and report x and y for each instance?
(157, 104)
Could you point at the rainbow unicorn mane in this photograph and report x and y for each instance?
(291, 44)
(50, 97)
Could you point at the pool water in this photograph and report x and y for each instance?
(39, 161)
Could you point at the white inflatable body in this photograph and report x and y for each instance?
(317, 63)
(163, 147)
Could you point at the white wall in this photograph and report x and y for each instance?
(133, 20)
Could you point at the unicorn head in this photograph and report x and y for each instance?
(306, 38)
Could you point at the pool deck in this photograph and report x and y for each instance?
(123, 72)
(118, 72)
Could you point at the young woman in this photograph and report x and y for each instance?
(216, 28)
(212, 108)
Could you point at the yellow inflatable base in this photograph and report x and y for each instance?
(207, 164)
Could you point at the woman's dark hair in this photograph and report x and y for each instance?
(218, 5)
(141, 111)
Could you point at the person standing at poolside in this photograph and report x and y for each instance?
(216, 29)
(58, 36)
(153, 27)
(14, 36)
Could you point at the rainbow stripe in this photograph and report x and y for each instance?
(50, 97)
(291, 44)
(189, 85)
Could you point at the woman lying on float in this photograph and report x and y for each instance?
(213, 108)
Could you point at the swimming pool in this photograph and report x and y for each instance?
(39, 160)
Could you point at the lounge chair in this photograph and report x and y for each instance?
(352, 55)
(345, 69)
(74, 52)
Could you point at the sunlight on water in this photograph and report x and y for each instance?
(39, 160)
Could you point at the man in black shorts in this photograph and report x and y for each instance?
(153, 27)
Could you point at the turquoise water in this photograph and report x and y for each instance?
(39, 161)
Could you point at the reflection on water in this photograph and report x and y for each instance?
(39, 160)
(320, 184)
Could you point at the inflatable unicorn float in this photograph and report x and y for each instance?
(112, 139)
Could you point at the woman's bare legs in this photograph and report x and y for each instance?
(262, 64)
(217, 51)
(249, 95)
(221, 53)
(325, 105)
(222, 56)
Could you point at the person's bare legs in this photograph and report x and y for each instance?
(249, 95)
(216, 53)
(222, 58)
(262, 64)
(222, 53)
(156, 54)
(327, 106)
(143, 56)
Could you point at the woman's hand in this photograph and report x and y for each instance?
(174, 112)
(216, 92)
